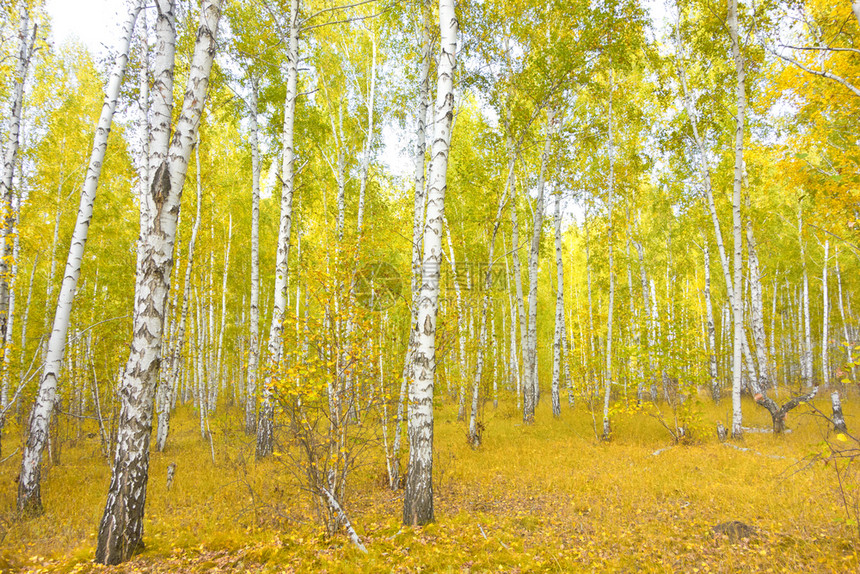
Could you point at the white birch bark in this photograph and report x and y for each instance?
(368, 142)
(518, 281)
(29, 496)
(634, 319)
(607, 430)
(806, 347)
(845, 330)
(418, 499)
(254, 328)
(646, 311)
(52, 269)
(825, 318)
(418, 159)
(265, 424)
(705, 173)
(7, 344)
(497, 351)
(513, 359)
(591, 355)
(838, 418)
(712, 347)
(757, 309)
(362, 189)
(168, 390)
(559, 311)
(461, 317)
(737, 299)
(22, 354)
(200, 368)
(121, 527)
(219, 369)
(26, 42)
(474, 433)
(772, 348)
(530, 396)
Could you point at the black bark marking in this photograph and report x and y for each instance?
(161, 184)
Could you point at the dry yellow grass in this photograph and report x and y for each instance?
(532, 499)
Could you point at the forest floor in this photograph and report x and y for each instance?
(540, 498)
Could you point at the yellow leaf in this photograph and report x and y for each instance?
(841, 437)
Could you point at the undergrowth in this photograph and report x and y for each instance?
(546, 497)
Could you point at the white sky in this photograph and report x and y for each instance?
(92, 22)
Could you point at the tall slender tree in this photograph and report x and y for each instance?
(418, 499)
(29, 483)
(121, 527)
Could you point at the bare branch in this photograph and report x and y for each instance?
(820, 48)
(333, 8)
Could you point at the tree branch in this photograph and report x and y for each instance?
(822, 73)
(820, 48)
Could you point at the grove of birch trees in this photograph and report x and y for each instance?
(325, 221)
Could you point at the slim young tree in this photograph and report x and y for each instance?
(607, 429)
(11, 142)
(167, 389)
(417, 229)
(530, 386)
(265, 424)
(29, 496)
(737, 299)
(254, 329)
(559, 311)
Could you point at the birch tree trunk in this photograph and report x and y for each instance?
(646, 322)
(418, 499)
(265, 424)
(218, 367)
(704, 171)
(254, 339)
(52, 270)
(461, 317)
(474, 430)
(513, 359)
(7, 344)
(422, 104)
(634, 318)
(559, 311)
(530, 397)
(121, 527)
(591, 356)
(712, 347)
(166, 401)
(29, 496)
(806, 347)
(737, 299)
(757, 308)
(26, 43)
(845, 331)
(825, 318)
(607, 430)
(518, 280)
